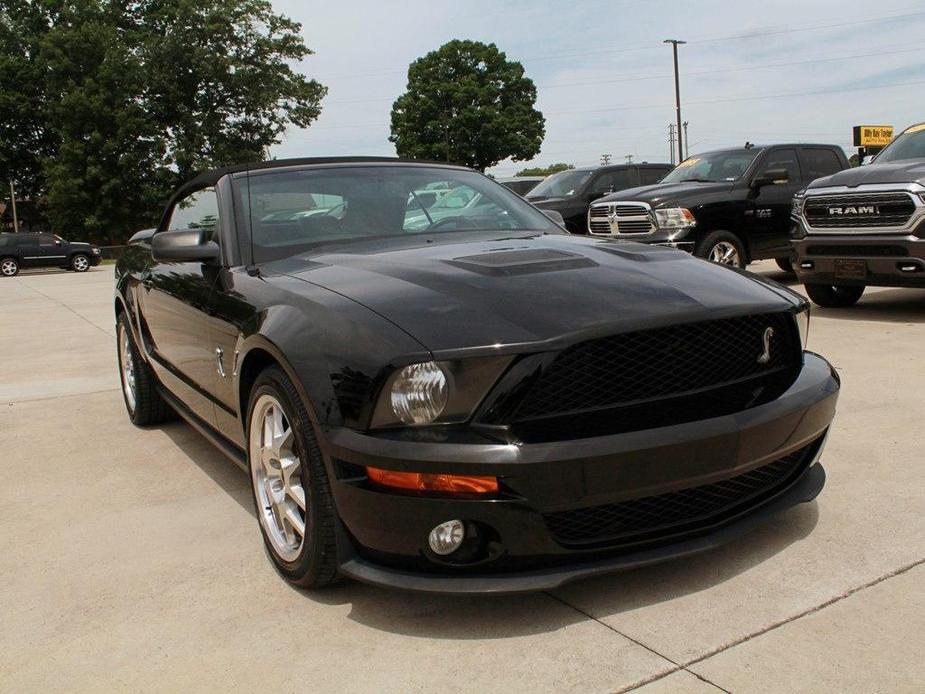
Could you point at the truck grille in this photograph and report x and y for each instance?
(619, 218)
(674, 512)
(858, 210)
(649, 365)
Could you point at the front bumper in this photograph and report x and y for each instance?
(890, 261)
(674, 238)
(384, 534)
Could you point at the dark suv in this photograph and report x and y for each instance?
(570, 192)
(730, 206)
(864, 226)
(44, 250)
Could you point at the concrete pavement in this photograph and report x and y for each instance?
(130, 558)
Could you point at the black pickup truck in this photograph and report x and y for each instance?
(865, 226)
(570, 192)
(730, 206)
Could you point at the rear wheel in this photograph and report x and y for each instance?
(723, 248)
(834, 296)
(139, 387)
(9, 267)
(80, 263)
(786, 265)
(292, 496)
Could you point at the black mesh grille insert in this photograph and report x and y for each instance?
(676, 511)
(866, 251)
(665, 362)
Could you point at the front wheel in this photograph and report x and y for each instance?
(80, 263)
(786, 265)
(9, 267)
(834, 296)
(722, 248)
(292, 496)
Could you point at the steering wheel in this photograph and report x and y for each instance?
(463, 222)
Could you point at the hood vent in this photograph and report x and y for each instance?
(522, 261)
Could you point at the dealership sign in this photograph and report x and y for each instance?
(872, 135)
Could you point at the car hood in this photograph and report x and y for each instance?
(494, 293)
(661, 194)
(908, 171)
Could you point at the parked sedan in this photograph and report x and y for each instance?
(481, 404)
(27, 249)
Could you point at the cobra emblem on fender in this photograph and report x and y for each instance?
(765, 356)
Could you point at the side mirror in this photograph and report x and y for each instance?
(184, 246)
(771, 177)
(555, 216)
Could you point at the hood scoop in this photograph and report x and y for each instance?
(522, 261)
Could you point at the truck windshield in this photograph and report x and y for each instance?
(713, 167)
(909, 145)
(561, 184)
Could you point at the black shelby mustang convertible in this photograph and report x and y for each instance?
(464, 397)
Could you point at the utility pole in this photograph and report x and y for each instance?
(687, 142)
(605, 159)
(677, 92)
(13, 202)
(629, 158)
(671, 142)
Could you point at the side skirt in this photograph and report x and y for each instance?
(237, 456)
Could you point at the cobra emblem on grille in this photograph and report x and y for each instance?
(765, 356)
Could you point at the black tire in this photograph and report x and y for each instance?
(834, 296)
(786, 265)
(9, 266)
(317, 562)
(80, 262)
(709, 247)
(149, 407)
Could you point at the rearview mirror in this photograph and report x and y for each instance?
(771, 177)
(555, 216)
(184, 246)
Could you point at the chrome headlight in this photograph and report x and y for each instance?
(96, 251)
(796, 206)
(419, 393)
(802, 318)
(674, 218)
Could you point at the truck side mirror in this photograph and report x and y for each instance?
(771, 177)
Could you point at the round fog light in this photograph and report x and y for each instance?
(447, 537)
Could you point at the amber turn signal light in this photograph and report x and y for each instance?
(427, 482)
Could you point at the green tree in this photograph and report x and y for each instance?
(545, 170)
(467, 103)
(106, 106)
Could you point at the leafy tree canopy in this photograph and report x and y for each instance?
(467, 103)
(545, 170)
(106, 106)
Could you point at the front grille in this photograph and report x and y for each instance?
(619, 218)
(859, 251)
(858, 210)
(651, 365)
(678, 511)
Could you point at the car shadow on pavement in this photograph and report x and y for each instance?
(228, 476)
(884, 305)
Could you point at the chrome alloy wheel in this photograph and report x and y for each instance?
(128, 368)
(725, 253)
(276, 472)
(8, 267)
(81, 264)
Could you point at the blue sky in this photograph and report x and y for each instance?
(772, 71)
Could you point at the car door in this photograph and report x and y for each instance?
(176, 306)
(52, 252)
(769, 226)
(28, 246)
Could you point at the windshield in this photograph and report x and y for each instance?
(561, 184)
(909, 145)
(713, 167)
(291, 212)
